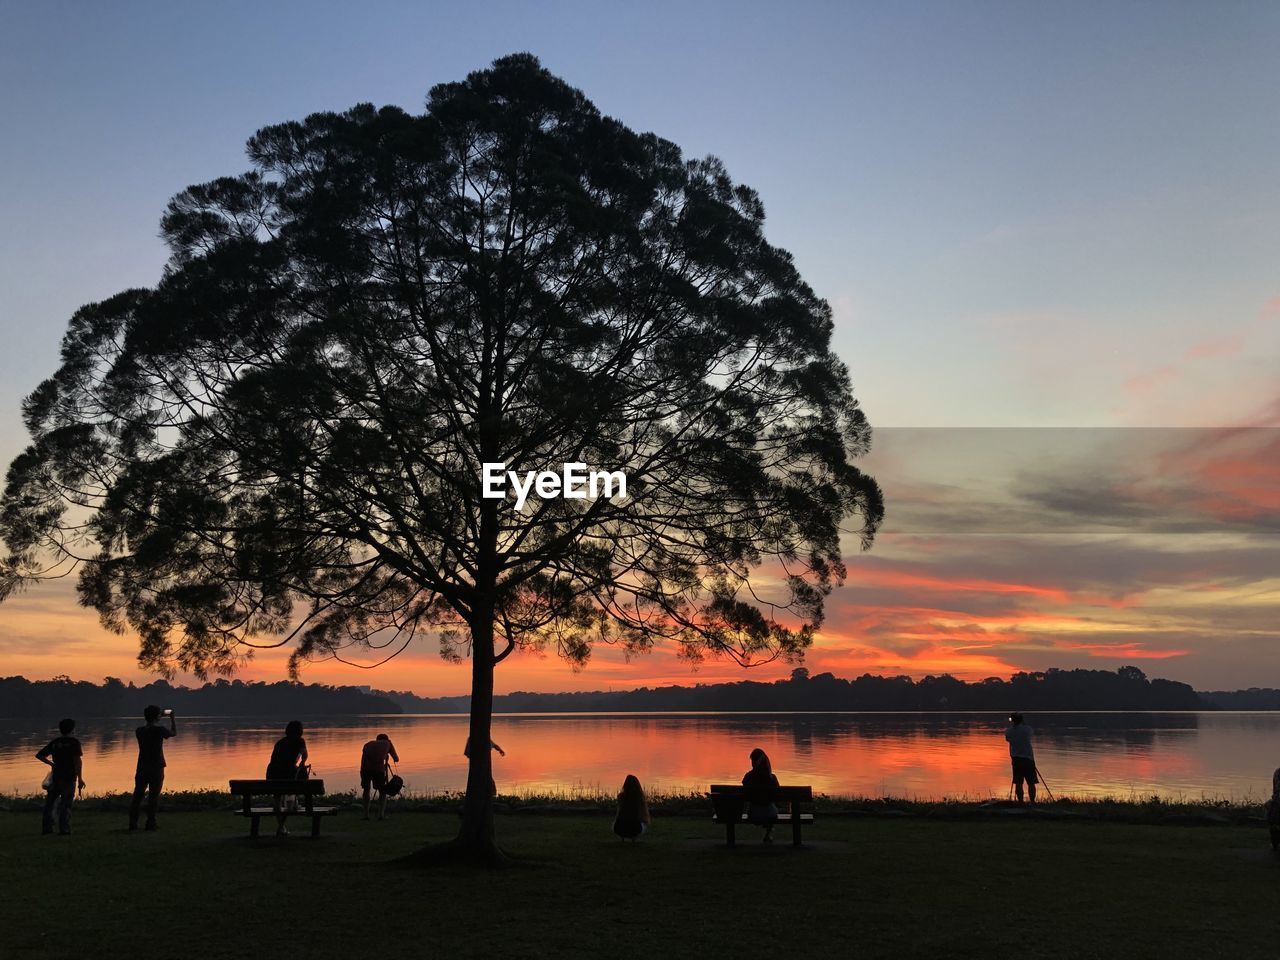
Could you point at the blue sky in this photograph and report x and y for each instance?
(1023, 213)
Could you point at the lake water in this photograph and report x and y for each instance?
(1176, 755)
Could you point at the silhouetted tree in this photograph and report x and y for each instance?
(299, 411)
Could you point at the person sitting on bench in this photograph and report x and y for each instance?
(761, 786)
(288, 759)
(633, 810)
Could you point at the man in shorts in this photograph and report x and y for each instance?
(373, 771)
(1022, 756)
(63, 755)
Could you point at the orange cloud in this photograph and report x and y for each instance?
(1233, 473)
(882, 576)
(1121, 651)
(895, 616)
(934, 659)
(877, 574)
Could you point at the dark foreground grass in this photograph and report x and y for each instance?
(865, 887)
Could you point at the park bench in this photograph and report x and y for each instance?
(308, 790)
(730, 804)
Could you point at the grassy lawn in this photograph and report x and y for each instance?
(866, 887)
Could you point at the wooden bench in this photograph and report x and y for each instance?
(729, 801)
(307, 789)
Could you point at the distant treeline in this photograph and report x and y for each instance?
(20, 697)
(1255, 698)
(1125, 689)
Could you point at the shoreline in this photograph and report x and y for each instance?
(1153, 810)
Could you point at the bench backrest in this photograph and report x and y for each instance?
(730, 799)
(277, 788)
(789, 794)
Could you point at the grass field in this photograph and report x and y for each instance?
(865, 887)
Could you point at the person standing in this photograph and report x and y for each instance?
(374, 773)
(1022, 756)
(1272, 808)
(64, 756)
(148, 778)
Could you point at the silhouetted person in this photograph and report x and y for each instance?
(374, 771)
(64, 755)
(633, 810)
(1022, 756)
(288, 759)
(1273, 811)
(149, 776)
(493, 784)
(761, 790)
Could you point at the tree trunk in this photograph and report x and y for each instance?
(476, 841)
(476, 835)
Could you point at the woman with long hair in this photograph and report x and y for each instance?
(761, 789)
(633, 810)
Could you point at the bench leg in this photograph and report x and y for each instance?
(253, 826)
(795, 830)
(315, 826)
(728, 833)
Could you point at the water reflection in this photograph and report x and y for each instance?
(918, 755)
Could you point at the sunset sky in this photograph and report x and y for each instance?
(1049, 235)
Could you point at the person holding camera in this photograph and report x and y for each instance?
(148, 778)
(63, 755)
(1022, 756)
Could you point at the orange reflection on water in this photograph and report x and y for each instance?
(913, 755)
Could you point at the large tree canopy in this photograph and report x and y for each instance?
(282, 441)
